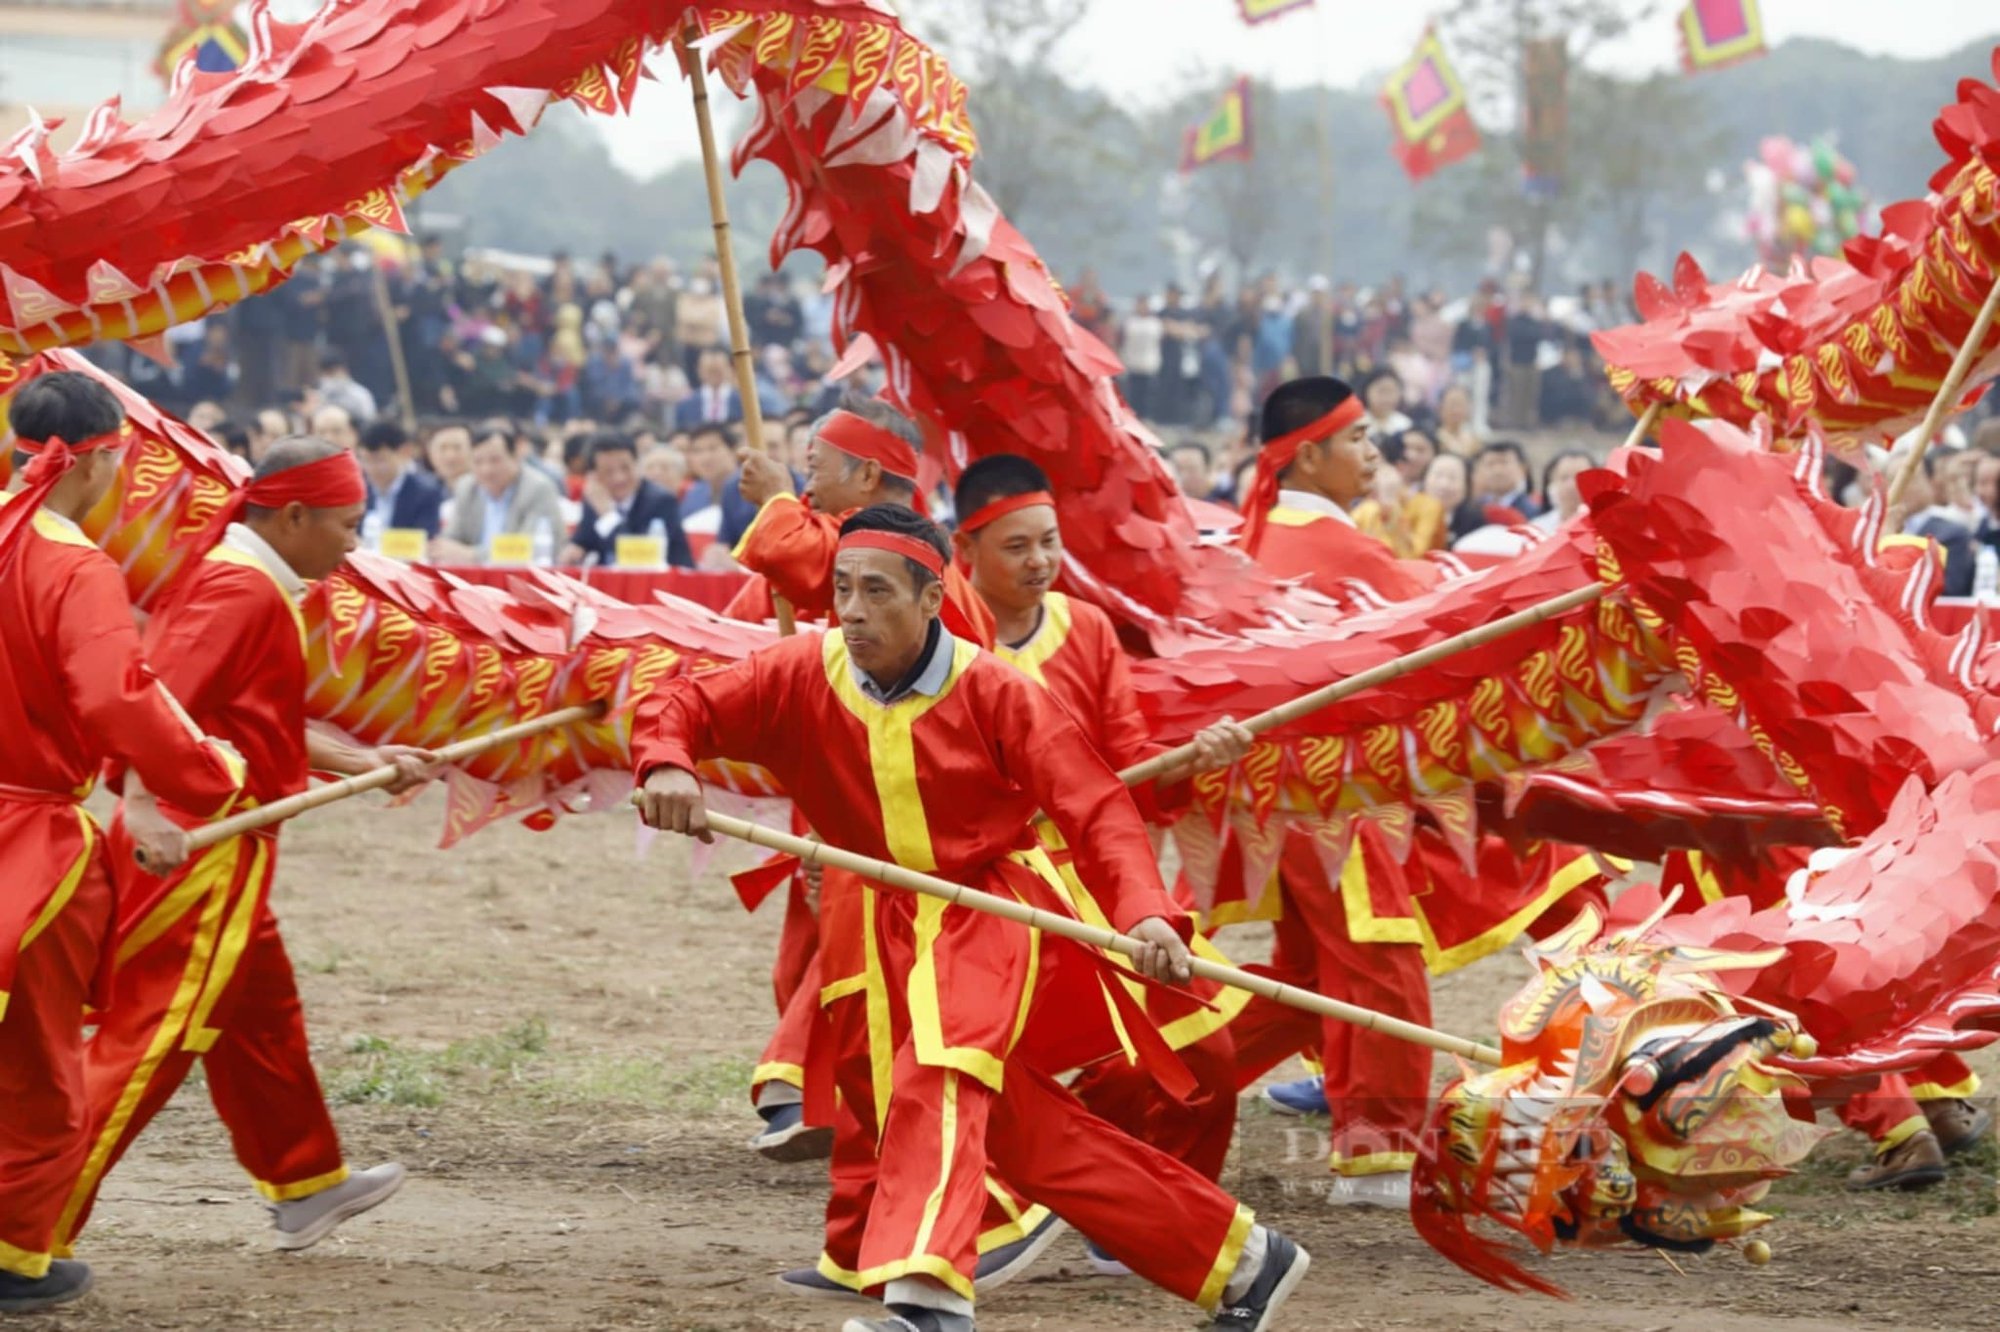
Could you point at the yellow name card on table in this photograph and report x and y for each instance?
(407, 544)
(641, 552)
(512, 548)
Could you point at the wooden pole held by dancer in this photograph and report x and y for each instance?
(881, 871)
(1948, 391)
(392, 331)
(1325, 696)
(1161, 764)
(740, 353)
(208, 834)
(1643, 427)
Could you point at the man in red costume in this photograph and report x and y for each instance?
(1354, 939)
(202, 974)
(1315, 466)
(74, 692)
(862, 455)
(1010, 542)
(934, 755)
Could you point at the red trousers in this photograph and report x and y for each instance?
(1196, 1130)
(43, 1109)
(909, 1193)
(1889, 1110)
(795, 983)
(203, 975)
(1377, 1087)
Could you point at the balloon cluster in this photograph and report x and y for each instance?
(1803, 200)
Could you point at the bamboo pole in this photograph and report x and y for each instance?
(881, 871)
(1161, 764)
(279, 810)
(740, 353)
(392, 329)
(1326, 696)
(1948, 391)
(1643, 426)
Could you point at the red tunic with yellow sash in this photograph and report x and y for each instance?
(1074, 653)
(1329, 552)
(962, 1019)
(75, 691)
(789, 549)
(202, 972)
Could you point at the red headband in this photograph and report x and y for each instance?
(860, 438)
(332, 482)
(52, 460)
(911, 548)
(1276, 456)
(1000, 508)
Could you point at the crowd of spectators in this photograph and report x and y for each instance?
(1526, 364)
(573, 404)
(569, 404)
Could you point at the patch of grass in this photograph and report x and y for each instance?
(381, 1072)
(324, 966)
(517, 1061)
(703, 1086)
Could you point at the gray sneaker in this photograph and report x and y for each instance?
(304, 1222)
(65, 1280)
(910, 1318)
(812, 1284)
(1011, 1259)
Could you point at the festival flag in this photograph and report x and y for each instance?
(1427, 108)
(1715, 33)
(205, 29)
(1544, 116)
(1225, 136)
(1259, 11)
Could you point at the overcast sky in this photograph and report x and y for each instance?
(1126, 48)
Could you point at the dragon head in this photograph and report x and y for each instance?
(1634, 1104)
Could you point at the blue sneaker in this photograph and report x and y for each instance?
(1307, 1096)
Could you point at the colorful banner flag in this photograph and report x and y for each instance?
(205, 30)
(1259, 11)
(1427, 110)
(1226, 135)
(1715, 33)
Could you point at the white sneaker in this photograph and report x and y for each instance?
(304, 1222)
(1390, 1190)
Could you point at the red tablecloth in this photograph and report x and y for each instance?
(712, 590)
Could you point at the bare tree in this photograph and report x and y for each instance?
(1493, 43)
(1042, 136)
(1638, 144)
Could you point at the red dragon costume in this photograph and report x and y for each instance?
(1671, 1048)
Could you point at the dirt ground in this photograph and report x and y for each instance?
(553, 1035)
